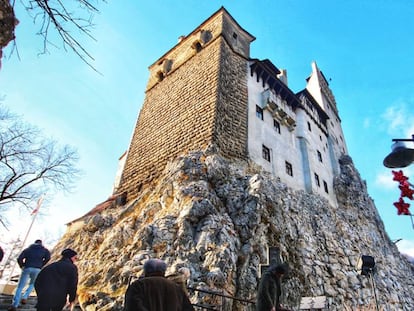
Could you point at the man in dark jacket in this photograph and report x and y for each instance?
(31, 260)
(270, 290)
(154, 292)
(57, 283)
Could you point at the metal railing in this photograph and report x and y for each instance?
(218, 306)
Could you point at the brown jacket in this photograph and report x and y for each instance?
(156, 293)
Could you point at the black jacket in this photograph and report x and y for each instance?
(269, 292)
(156, 293)
(35, 256)
(55, 282)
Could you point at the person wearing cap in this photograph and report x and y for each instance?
(154, 292)
(57, 283)
(31, 260)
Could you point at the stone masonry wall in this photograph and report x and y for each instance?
(177, 115)
(196, 99)
(182, 112)
(230, 132)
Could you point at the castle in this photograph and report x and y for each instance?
(208, 93)
(199, 188)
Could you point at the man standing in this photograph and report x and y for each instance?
(154, 292)
(31, 260)
(57, 283)
(270, 290)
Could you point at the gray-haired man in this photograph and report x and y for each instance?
(155, 292)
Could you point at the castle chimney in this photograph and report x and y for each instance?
(282, 76)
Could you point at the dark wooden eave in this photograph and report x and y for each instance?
(322, 114)
(267, 72)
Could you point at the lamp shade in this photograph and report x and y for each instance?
(400, 156)
(365, 264)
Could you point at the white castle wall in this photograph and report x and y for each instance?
(283, 147)
(312, 151)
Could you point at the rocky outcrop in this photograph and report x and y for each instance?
(217, 217)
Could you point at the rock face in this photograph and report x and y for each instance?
(218, 217)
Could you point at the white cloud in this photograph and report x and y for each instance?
(385, 180)
(399, 119)
(406, 247)
(395, 117)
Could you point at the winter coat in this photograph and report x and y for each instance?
(55, 282)
(35, 256)
(156, 293)
(269, 292)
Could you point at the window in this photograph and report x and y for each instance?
(265, 153)
(317, 180)
(319, 156)
(198, 47)
(276, 126)
(325, 186)
(259, 112)
(289, 169)
(309, 127)
(160, 76)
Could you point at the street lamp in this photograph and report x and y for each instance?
(400, 156)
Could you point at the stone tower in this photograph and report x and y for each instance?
(196, 98)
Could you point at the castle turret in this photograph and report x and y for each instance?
(195, 99)
(318, 87)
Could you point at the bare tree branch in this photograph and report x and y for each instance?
(30, 164)
(69, 19)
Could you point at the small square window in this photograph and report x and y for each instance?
(276, 126)
(265, 153)
(259, 112)
(289, 169)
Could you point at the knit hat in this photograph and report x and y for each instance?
(38, 242)
(69, 253)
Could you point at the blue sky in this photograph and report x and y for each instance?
(364, 48)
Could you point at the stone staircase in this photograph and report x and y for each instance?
(6, 301)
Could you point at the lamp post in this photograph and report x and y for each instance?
(400, 156)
